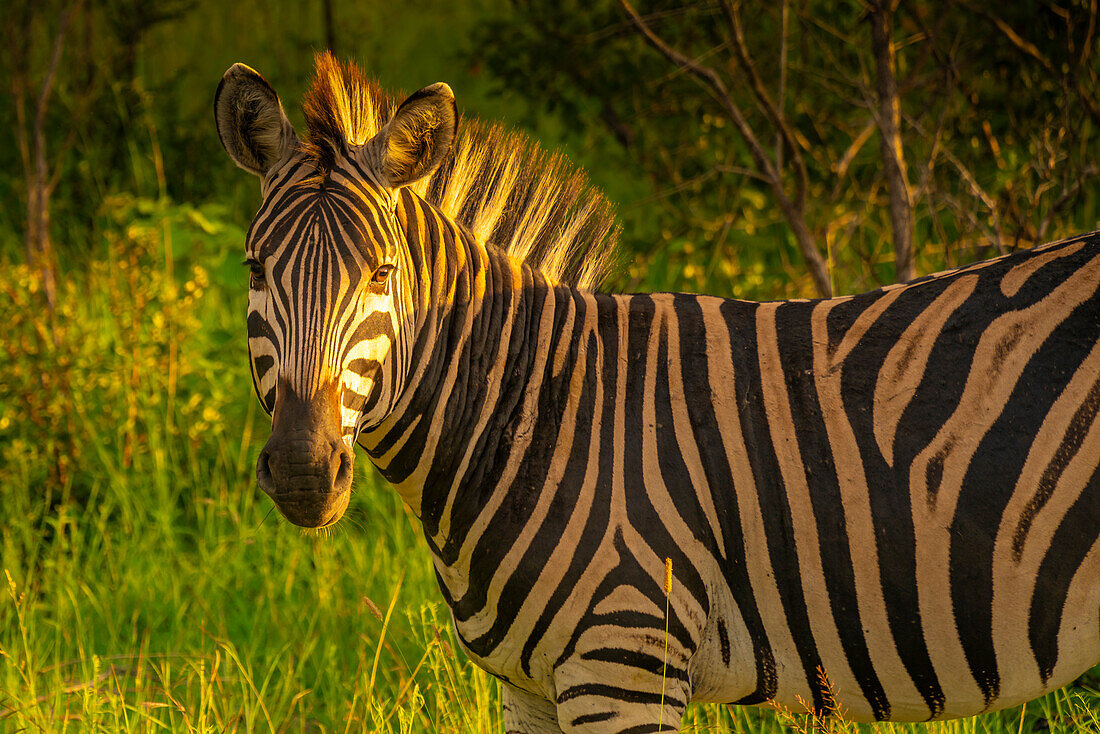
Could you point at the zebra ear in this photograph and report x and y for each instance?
(417, 139)
(253, 128)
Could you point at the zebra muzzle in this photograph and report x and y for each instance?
(306, 467)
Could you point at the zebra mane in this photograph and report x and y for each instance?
(499, 184)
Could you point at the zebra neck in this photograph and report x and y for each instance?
(539, 406)
(477, 363)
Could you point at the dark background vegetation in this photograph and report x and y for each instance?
(783, 139)
(790, 148)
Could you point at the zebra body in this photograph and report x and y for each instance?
(804, 533)
(898, 490)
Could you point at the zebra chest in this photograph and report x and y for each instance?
(543, 633)
(495, 612)
(525, 626)
(502, 646)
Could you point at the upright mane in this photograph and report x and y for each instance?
(499, 184)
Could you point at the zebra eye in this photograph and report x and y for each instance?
(256, 279)
(381, 274)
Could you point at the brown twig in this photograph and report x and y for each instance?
(764, 100)
(1021, 43)
(711, 81)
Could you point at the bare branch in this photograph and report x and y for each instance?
(1016, 39)
(841, 168)
(678, 187)
(19, 44)
(784, 15)
(62, 155)
(741, 171)
(616, 29)
(55, 58)
(713, 83)
(1087, 97)
(1086, 50)
(40, 183)
(764, 100)
(975, 189)
(1069, 191)
(924, 187)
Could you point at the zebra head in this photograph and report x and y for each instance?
(332, 287)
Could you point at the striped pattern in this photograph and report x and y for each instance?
(885, 505)
(900, 489)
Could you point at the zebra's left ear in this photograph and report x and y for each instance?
(421, 134)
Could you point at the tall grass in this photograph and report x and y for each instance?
(148, 586)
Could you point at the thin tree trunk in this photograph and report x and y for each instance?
(330, 27)
(889, 122)
(40, 184)
(39, 247)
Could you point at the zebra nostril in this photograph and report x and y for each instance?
(263, 473)
(342, 480)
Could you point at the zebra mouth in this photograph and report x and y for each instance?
(312, 509)
(310, 489)
(306, 466)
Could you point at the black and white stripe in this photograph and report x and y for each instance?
(898, 490)
(863, 486)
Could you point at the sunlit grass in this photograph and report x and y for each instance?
(231, 622)
(148, 586)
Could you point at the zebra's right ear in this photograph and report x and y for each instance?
(253, 128)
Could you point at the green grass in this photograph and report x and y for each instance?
(148, 585)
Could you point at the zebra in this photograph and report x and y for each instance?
(883, 505)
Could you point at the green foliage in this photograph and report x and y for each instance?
(1009, 99)
(150, 586)
(999, 122)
